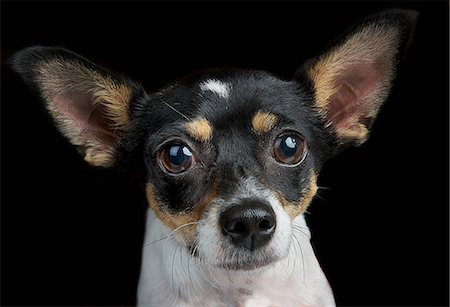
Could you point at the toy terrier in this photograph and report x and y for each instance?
(230, 157)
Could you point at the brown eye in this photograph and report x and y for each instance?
(176, 158)
(289, 148)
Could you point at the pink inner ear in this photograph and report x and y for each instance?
(84, 120)
(351, 103)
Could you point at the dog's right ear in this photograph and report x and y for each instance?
(89, 105)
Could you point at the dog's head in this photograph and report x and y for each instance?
(231, 156)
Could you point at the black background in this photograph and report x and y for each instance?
(71, 234)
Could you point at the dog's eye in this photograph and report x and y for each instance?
(289, 148)
(176, 158)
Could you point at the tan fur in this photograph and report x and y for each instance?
(103, 159)
(365, 46)
(294, 209)
(185, 234)
(358, 133)
(57, 76)
(200, 129)
(115, 97)
(263, 122)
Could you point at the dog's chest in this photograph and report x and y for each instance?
(270, 292)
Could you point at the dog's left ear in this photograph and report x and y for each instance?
(352, 79)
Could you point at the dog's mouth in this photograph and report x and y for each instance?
(248, 264)
(243, 260)
(240, 260)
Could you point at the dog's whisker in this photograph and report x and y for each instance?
(156, 284)
(174, 109)
(302, 256)
(173, 262)
(307, 211)
(230, 281)
(175, 230)
(155, 241)
(299, 229)
(323, 188)
(319, 197)
(209, 280)
(195, 289)
(177, 245)
(166, 237)
(294, 257)
(233, 286)
(202, 272)
(191, 291)
(201, 268)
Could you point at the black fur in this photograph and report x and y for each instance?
(235, 150)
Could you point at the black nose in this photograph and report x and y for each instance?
(250, 224)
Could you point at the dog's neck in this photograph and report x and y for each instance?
(171, 276)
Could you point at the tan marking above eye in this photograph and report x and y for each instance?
(263, 122)
(200, 129)
(293, 209)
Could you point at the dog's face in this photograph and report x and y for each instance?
(234, 164)
(231, 156)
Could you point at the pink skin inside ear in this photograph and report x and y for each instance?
(84, 120)
(349, 106)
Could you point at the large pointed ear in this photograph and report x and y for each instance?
(351, 80)
(89, 105)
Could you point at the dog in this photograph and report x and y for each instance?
(230, 159)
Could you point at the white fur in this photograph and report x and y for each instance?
(171, 276)
(222, 89)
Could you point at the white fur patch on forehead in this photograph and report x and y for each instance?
(222, 89)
